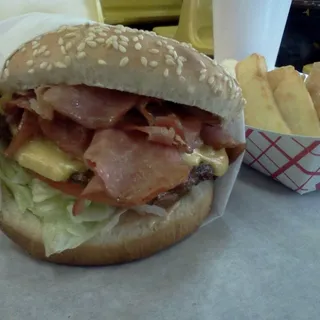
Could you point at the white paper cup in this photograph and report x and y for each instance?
(243, 27)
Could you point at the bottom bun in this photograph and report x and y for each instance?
(136, 236)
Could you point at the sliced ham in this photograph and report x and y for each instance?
(94, 108)
(44, 109)
(27, 129)
(156, 134)
(192, 128)
(68, 135)
(217, 137)
(31, 101)
(134, 170)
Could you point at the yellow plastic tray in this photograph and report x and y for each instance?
(90, 9)
(195, 25)
(140, 11)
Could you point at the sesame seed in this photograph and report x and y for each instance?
(183, 59)
(61, 29)
(140, 36)
(166, 72)
(115, 45)
(49, 67)
(135, 39)
(179, 70)
(202, 77)
(173, 53)
(81, 55)
(159, 43)
(7, 63)
(81, 46)
(170, 47)
(102, 62)
(138, 46)
(91, 44)
(60, 65)
(68, 45)
(42, 49)
(35, 45)
(144, 61)
(100, 40)
(89, 39)
(153, 64)
(180, 63)
(122, 49)
(202, 64)
(202, 71)
(63, 50)
(30, 63)
(124, 61)
(43, 64)
(67, 60)
(118, 31)
(154, 51)
(70, 35)
(102, 34)
(123, 43)
(170, 62)
(47, 53)
(6, 72)
(124, 38)
(182, 79)
(23, 49)
(164, 41)
(91, 35)
(35, 53)
(60, 41)
(31, 71)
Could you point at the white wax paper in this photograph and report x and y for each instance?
(18, 30)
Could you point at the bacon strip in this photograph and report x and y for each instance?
(67, 135)
(27, 129)
(132, 169)
(94, 108)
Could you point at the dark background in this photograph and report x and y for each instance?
(301, 40)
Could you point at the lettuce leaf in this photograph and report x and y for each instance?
(61, 230)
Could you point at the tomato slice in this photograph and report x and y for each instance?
(75, 190)
(70, 188)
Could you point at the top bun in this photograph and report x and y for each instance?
(125, 59)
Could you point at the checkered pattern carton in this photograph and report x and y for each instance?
(292, 160)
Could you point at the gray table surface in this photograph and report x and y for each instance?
(260, 261)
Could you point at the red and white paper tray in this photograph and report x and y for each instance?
(292, 160)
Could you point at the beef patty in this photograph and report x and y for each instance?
(166, 199)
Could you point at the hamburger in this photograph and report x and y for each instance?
(111, 139)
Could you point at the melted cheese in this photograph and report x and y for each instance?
(46, 159)
(218, 159)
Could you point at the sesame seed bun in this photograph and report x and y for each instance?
(117, 57)
(135, 237)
